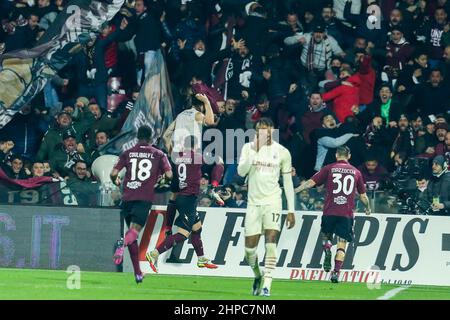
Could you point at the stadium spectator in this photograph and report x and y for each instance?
(102, 123)
(241, 199)
(146, 43)
(23, 36)
(425, 143)
(404, 142)
(397, 53)
(16, 169)
(91, 67)
(5, 147)
(442, 130)
(101, 138)
(312, 118)
(386, 106)
(438, 189)
(26, 130)
(328, 138)
(47, 13)
(37, 170)
(81, 184)
(431, 97)
(316, 54)
(431, 32)
(67, 154)
(344, 97)
(373, 173)
(305, 201)
(53, 136)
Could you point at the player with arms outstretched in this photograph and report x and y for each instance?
(188, 164)
(189, 122)
(144, 165)
(342, 182)
(262, 161)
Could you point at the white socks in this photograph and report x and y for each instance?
(270, 264)
(252, 260)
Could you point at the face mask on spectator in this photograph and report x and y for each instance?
(336, 70)
(199, 53)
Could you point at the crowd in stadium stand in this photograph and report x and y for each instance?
(327, 72)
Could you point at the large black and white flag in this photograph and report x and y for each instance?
(24, 73)
(153, 108)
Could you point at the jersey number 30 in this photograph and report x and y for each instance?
(345, 184)
(140, 169)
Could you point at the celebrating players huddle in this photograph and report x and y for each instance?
(262, 162)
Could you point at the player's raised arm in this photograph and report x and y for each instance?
(208, 118)
(246, 160)
(167, 137)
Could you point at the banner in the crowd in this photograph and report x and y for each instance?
(33, 182)
(24, 73)
(153, 108)
(52, 194)
(400, 249)
(58, 237)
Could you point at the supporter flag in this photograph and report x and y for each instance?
(24, 73)
(152, 108)
(30, 183)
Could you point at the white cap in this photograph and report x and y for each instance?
(248, 6)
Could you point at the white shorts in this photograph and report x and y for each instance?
(260, 218)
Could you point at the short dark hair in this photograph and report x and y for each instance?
(262, 98)
(33, 13)
(102, 131)
(386, 85)
(343, 151)
(16, 156)
(326, 115)
(196, 102)
(80, 161)
(437, 70)
(145, 133)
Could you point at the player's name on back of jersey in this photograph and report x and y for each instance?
(188, 159)
(343, 170)
(141, 155)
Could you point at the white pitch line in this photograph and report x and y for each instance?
(392, 293)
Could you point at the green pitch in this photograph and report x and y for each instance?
(45, 284)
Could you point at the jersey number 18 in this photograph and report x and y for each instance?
(140, 169)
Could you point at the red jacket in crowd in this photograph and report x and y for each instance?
(367, 75)
(344, 98)
(111, 52)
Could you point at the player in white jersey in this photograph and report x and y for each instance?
(263, 160)
(189, 122)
